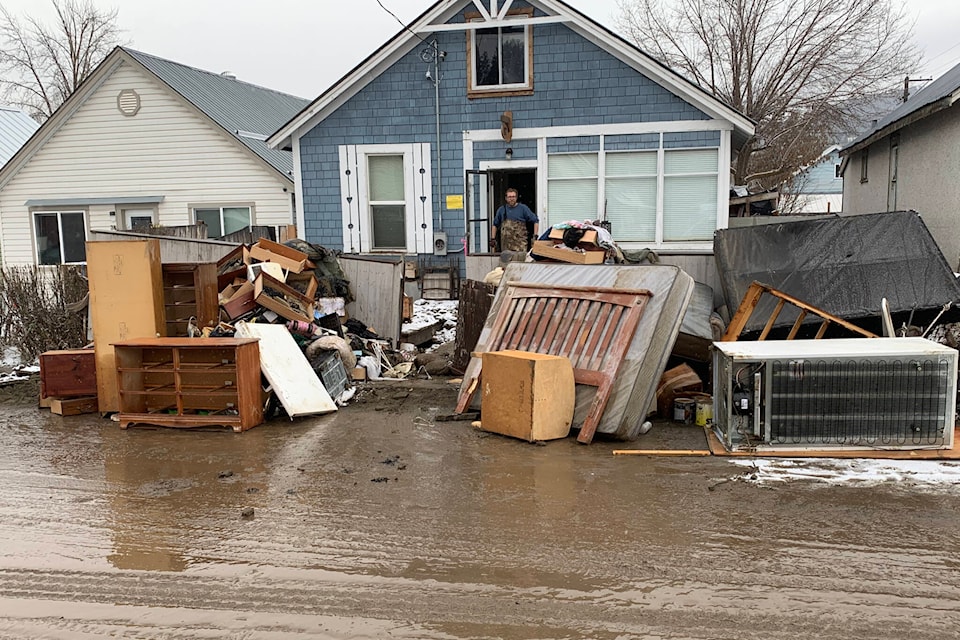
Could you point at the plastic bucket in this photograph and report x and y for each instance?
(704, 412)
(684, 410)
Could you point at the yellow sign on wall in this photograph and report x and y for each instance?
(455, 202)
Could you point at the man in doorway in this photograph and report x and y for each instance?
(510, 223)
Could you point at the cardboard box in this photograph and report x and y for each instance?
(270, 251)
(547, 249)
(237, 299)
(530, 396)
(283, 300)
(305, 282)
(410, 270)
(233, 265)
(358, 373)
(589, 236)
(407, 307)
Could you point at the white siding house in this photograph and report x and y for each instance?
(146, 141)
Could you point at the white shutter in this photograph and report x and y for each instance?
(420, 201)
(350, 199)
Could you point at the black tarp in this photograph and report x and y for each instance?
(842, 265)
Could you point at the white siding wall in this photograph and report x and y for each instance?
(167, 149)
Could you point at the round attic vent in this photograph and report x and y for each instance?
(128, 102)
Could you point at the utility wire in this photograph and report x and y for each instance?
(402, 23)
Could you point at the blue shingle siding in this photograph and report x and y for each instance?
(689, 139)
(575, 84)
(632, 141)
(522, 150)
(577, 144)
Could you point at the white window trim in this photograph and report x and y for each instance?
(121, 217)
(221, 207)
(658, 242)
(355, 201)
(58, 212)
(474, 89)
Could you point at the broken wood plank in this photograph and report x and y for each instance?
(662, 452)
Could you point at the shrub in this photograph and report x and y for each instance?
(42, 309)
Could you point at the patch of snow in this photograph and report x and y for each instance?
(9, 378)
(11, 357)
(430, 312)
(926, 474)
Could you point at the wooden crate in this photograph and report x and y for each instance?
(68, 373)
(270, 293)
(527, 395)
(183, 382)
(546, 249)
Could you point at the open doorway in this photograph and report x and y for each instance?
(524, 181)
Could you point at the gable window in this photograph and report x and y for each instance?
(386, 198)
(222, 221)
(500, 59)
(60, 237)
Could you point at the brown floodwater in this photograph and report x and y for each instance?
(381, 522)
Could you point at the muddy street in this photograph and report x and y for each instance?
(380, 521)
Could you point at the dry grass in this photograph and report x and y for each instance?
(37, 309)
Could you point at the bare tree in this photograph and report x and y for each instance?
(41, 65)
(804, 70)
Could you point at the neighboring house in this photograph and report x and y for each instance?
(817, 189)
(146, 141)
(16, 127)
(910, 159)
(412, 151)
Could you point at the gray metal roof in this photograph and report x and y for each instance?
(248, 112)
(921, 104)
(16, 127)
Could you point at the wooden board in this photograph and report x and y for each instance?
(292, 378)
(126, 302)
(717, 449)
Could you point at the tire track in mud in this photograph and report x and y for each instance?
(698, 609)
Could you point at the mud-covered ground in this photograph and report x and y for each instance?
(381, 521)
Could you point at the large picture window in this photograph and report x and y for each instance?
(222, 221)
(500, 59)
(653, 196)
(60, 237)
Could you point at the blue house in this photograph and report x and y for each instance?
(412, 151)
(817, 189)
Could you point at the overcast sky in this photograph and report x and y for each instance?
(302, 47)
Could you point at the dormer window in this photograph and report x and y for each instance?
(500, 59)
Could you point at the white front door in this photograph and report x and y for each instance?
(133, 218)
